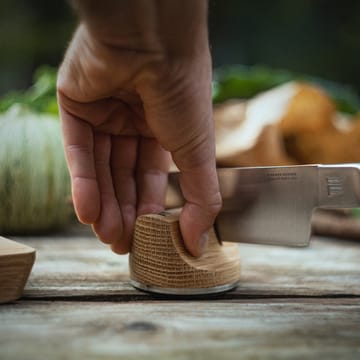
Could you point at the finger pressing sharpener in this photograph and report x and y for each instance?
(160, 263)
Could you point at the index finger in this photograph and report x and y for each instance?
(79, 151)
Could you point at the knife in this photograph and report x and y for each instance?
(273, 205)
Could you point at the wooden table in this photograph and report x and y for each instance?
(291, 304)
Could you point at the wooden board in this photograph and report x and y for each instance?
(239, 329)
(290, 304)
(81, 267)
(16, 261)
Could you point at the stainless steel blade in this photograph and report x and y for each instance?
(274, 205)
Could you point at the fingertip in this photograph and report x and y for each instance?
(120, 248)
(115, 227)
(86, 200)
(196, 245)
(107, 232)
(195, 224)
(203, 242)
(123, 244)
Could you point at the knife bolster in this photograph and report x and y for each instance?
(159, 261)
(339, 186)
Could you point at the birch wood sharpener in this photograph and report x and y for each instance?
(16, 261)
(160, 263)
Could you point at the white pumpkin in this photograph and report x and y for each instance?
(34, 181)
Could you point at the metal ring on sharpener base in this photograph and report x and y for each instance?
(184, 291)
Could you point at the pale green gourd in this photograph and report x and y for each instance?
(34, 181)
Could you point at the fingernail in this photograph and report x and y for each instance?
(203, 241)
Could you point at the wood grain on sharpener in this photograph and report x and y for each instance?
(160, 261)
(16, 261)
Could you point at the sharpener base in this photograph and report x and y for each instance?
(184, 291)
(159, 263)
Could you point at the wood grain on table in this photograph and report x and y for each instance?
(290, 304)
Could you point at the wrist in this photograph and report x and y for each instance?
(152, 26)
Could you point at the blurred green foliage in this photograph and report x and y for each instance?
(355, 212)
(235, 81)
(40, 97)
(244, 82)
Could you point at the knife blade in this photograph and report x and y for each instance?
(273, 205)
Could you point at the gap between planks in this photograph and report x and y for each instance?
(216, 298)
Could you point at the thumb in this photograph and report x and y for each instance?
(178, 110)
(199, 185)
(189, 136)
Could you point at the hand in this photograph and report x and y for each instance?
(129, 95)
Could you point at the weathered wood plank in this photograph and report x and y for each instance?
(110, 326)
(316, 329)
(80, 266)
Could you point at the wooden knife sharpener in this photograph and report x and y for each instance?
(160, 263)
(16, 261)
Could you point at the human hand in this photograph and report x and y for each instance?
(131, 89)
